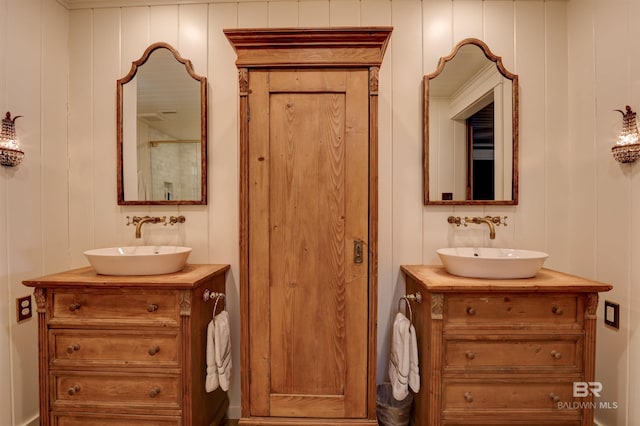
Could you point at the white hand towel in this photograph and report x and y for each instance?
(211, 379)
(400, 359)
(223, 348)
(414, 370)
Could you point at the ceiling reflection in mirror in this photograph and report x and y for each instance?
(471, 129)
(162, 131)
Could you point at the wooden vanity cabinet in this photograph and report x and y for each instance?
(127, 350)
(308, 223)
(503, 352)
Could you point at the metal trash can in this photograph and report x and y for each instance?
(391, 412)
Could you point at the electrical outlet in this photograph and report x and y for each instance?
(612, 314)
(24, 308)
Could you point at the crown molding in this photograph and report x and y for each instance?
(97, 4)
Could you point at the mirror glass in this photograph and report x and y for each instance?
(162, 131)
(471, 129)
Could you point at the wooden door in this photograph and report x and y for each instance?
(308, 189)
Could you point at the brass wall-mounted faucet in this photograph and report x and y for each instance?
(491, 221)
(139, 221)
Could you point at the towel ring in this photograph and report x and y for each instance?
(408, 307)
(209, 295)
(408, 298)
(215, 304)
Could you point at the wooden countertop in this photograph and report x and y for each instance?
(436, 279)
(189, 277)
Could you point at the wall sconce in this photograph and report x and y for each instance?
(10, 153)
(627, 148)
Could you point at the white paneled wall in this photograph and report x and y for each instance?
(5, 318)
(104, 42)
(611, 190)
(59, 69)
(33, 208)
(23, 207)
(604, 196)
(5, 293)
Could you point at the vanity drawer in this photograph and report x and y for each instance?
(131, 308)
(517, 420)
(131, 392)
(513, 310)
(84, 419)
(513, 354)
(70, 347)
(500, 395)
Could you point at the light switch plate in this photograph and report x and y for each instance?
(612, 314)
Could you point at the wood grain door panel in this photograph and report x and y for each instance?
(308, 201)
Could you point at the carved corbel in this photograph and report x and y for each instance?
(373, 80)
(243, 81)
(40, 294)
(185, 303)
(437, 306)
(591, 310)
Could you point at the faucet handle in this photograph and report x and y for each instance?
(133, 220)
(176, 219)
(497, 220)
(457, 220)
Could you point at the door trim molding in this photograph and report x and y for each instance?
(277, 48)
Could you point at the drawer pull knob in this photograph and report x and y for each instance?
(74, 306)
(468, 397)
(73, 348)
(154, 392)
(556, 354)
(470, 355)
(554, 397)
(152, 308)
(557, 311)
(471, 311)
(154, 350)
(73, 390)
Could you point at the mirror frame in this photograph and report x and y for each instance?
(505, 73)
(203, 128)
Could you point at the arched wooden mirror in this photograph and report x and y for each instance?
(162, 131)
(471, 129)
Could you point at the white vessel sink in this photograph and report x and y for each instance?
(138, 260)
(493, 263)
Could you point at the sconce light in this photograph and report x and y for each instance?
(10, 153)
(627, 148)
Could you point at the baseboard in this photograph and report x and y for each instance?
(33, 422)
(234, 412)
